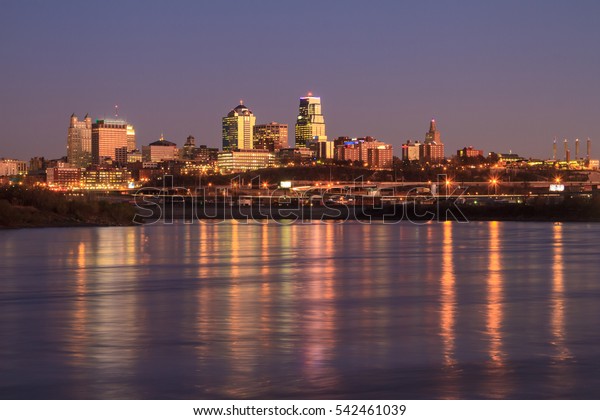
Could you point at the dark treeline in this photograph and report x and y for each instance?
(30, 207)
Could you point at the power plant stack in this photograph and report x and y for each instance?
(567, 157)
(577, 149)
(589, 150)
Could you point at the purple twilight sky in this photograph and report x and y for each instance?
(505, 75)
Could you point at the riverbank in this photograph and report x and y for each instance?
(22, 208)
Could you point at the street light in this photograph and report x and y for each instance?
(494, 182)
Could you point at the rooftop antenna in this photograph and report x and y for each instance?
(116, 111)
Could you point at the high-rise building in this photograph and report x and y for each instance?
(381, 156)
(79, 142)
(107, 136)
(131, 146)
(433, 135)
(432, 148)
(238, 128)
(310, 125)
(272, 136)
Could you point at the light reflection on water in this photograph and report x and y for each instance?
(326, 310)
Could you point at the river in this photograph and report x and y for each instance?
(316, 310)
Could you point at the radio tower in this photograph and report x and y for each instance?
(116, 111)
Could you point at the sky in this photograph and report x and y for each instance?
(499, 76)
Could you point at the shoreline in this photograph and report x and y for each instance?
(386, 214)
(391, 214)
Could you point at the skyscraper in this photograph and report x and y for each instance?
(433, 135)
(238, 128)
(272, 136)
(433, 148)
(131, 146)
(107, 136)
(79, 142)
(310, 125)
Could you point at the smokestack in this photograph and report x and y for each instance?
(554, 150)
(576, 149)
(566, 150)
(589, 149)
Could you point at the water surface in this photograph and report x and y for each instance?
(478, 310)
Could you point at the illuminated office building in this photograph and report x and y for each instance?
(131, 146)
(238, 128)
(272, 137)
(245, 160)
(310, 125)
(107, 137)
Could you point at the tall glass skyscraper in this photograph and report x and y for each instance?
(310, 125)
(238, 128)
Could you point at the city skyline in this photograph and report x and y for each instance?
(504, 77)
